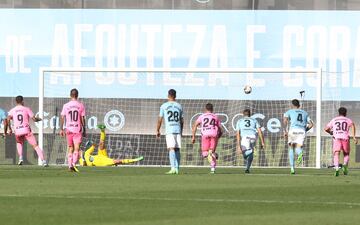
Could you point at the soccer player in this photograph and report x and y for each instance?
(339, 128)
(21, 116)
(102, 159)
(210, 133)
(3, 116)
(247, 131)
(73, 114)
(296, 122)
(172, 113)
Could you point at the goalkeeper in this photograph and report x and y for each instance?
(102, 158)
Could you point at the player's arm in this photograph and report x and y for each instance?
(353, 129)
(159, 122)
(83, 126)
(309, 125)
(261, 136)
(62, 119)
(328, 130)
(36, 119)
(195, 126)
(181, 125)
(286, 125)
(8, 125)
(238, 140)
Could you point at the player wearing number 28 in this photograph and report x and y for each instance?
(21, 115)
(73, 114)
(296, 122)
(172, 113)
(339, 128)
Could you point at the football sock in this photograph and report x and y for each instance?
(40, 153)
(75, 157)
(70, 156)
(336, 160)
(291, 157)
(298, 150)
(102, 135)
(177, 157)
(213, 161)
(346, 159)
(172, 158)
(249, 161)
(19, 147)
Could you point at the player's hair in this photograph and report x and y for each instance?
(342, 111)
(19, 99)
(209, 107)
(246, 112)
(172, 93)
(74, 93)
(295, 103)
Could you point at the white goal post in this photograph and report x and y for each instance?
(230, 71)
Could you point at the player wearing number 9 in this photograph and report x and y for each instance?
(339, 128)
(73, 114)
(21, 117)
(296, 122)
(172, 112)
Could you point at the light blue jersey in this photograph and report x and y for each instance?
(172, 113)
(3, 115)
(247, 126)
(298, 118)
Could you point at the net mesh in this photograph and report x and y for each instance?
(128, 104)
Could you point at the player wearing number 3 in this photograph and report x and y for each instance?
(21, 116)
(172, 113)
(73, 114)
(339, 128)
(299, 122)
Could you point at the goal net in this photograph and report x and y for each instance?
(128, 102)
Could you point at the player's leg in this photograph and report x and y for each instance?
(170, 142)
(212, 153)
(32, 141)
(291, 139)
(205, 148)
(127, 161)
(102, 149)
(300, 137)
(247, 151)
(70, 143)
(77, 141)
(346, 152)
(177, 152)
(19, 147)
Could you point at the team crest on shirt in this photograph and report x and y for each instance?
(114, 120)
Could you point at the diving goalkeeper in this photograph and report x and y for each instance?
(102, 158)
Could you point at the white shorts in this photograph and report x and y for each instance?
(248, 142)
(296, 136)
(173, 141)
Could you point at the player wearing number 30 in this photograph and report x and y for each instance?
(21, 116)
(73, 114)
(299, 122)
(172, 113)
(339, 127)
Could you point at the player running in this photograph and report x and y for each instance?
(172, 113)
(247, 131)
(73, 114)
(102, 159)
(296, 122)
(339, 128)
(210, 133)
(21, 116)
(3, 120)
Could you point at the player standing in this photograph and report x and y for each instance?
(296, 122)
(73, 114)
(21, 117)
(172, 113)
(247, 131)
(210, 133)
(339, 128)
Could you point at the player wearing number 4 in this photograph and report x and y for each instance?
(21, 116)
(299, 122)
(339, 128)
(210, 133)
(247, 132)
(172, 113)
(73, 114)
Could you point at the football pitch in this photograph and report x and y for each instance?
(128, 195)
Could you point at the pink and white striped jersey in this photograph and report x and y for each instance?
(21, 116)
(73, 111)
(210, 124)
(340, 127)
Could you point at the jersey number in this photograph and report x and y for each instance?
(207, 122)
(247, 123)
(341, 126)
(173, 116)
(300, 118)
(74, 115)
(20, 118)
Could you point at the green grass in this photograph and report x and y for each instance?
(144, 196)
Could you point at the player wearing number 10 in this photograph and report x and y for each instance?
(172, 113)
(73, 113)
(299, 122)
(21, 116)
(339, 127)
